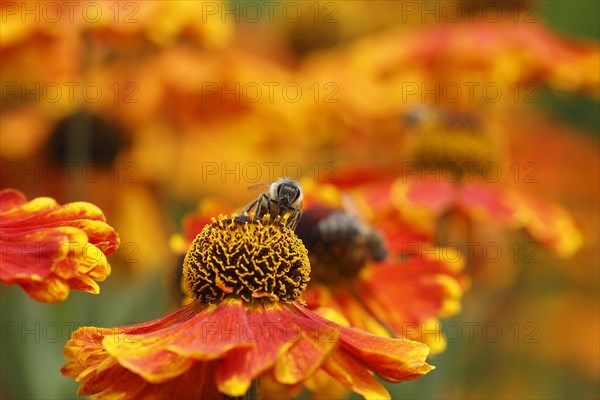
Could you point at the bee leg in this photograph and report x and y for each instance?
(272, 208)
(294, 218)
(250, 206)
(260, 206)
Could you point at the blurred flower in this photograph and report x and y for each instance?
(48, 249)
(402, 293)
(95, 63)
(558, 162)
(143, 25)
(454, 175)
(464, 63)
(465, 178)
(246, 277)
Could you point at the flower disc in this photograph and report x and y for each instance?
(248, 258)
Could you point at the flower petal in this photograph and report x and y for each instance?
(354, 376)
(314, 344)
(548, 223)
(11, 198)
(63, 245)
(272, 333)
(408, 297)
(392, 359)
(166, 352)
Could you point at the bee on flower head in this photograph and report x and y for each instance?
(339, 243)
(284, 197)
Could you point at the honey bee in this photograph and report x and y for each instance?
(284, 197)
(339, 243)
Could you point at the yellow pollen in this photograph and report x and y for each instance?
(248, 258)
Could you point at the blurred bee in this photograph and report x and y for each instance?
(339, 244)
(284, 197)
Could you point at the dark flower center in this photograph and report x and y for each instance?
(248, 258)
(461, 145)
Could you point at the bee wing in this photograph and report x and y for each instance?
(260, 187)
(350, 206)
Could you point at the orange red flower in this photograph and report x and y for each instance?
(393, 297)
(49, 249)
(457, 164)
(246, 276)
(423, 200)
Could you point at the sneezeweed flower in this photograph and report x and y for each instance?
(455, 175)
(49, 249)
(465, 180)
(430, 63)
(246, 276)
(396, 294)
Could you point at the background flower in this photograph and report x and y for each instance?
(48, 249)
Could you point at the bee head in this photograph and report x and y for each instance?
(287, 192)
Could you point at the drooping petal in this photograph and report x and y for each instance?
(354, 376)
(408, 297)
(392, 359)
(548, 224)
(160, 358)
(315, 341)
(272, 334)
(348, 305)
(49, 249)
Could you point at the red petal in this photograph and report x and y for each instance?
(272, 332)
(316, 341)
(354, 376)
(485, 202)
(428, 195)
(392, 359)
(161, 354)
(11, 198)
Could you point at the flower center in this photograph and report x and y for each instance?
(458, 144)
(248, 258)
